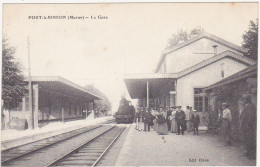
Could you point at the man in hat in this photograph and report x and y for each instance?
(248, 126)
(191, 113)
(226, 123)
(195, 119)
(147, 119)
(180, 119)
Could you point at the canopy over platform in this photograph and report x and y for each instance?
(63, 86)
(154, 83)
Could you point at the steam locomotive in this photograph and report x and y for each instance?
(125, 113)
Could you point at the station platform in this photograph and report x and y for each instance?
(149, 149)
(16, 137)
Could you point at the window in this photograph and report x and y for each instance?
(200, 100)
(198, 104)
(197, 91)
(206, 104)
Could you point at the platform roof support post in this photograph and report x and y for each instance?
(147, 93)
(36, 104)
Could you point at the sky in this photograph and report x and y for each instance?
(130, 39)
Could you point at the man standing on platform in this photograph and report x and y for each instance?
(248, 126)
(180, 119)
(195, 119)
(188, 116)
(191, 113)
(226, 123)
(147, 120)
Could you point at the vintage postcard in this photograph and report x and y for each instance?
(129, 84)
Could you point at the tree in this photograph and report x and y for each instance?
(182, 36)
(250, 40)
(195, 32)
(101, 105)
(14, 87)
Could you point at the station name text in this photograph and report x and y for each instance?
(198, 160)
(99, 17)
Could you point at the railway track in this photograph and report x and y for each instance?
(91, 152)
(14, 154)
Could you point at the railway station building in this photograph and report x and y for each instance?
(54, 96)
(184, 70)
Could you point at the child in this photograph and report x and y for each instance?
(195, 118)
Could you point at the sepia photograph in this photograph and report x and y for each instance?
(129, 84)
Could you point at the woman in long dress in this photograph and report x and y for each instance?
(162, 127)
(173, 122)
(141, 125)
(155, 114)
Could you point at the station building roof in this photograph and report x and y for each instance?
(248, 72)
(163, 82)
(63, 86)
(230, 54)
(202, 35)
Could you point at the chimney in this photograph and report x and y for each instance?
(215, 49)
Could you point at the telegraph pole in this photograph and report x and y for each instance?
(31, 117)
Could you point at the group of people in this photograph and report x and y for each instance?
(173, 120)
(177, 121)
(247, 126)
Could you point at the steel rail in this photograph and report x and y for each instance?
(39, 140)
(60, 159)
(6, 162)
(109, 121)
(99, 158)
